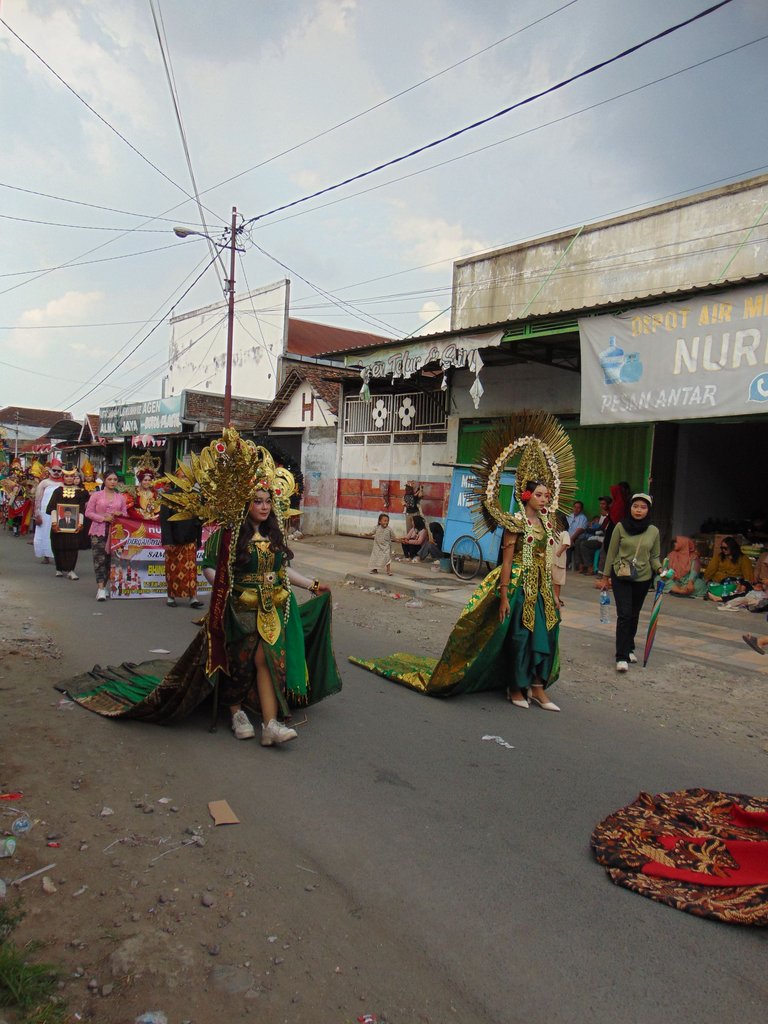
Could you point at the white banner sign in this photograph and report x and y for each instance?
(700, 357)
(460, 352)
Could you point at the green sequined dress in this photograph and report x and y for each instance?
(483, 653)
(261, 609)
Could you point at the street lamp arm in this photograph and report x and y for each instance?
(234, 230)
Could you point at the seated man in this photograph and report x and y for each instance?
(591, 539)
(577, 523)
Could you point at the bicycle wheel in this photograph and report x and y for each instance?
(466, 557)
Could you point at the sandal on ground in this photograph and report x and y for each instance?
(518, 702)
(752, 641)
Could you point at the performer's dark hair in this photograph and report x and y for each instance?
(418, 522)
(270, 529)
(531, 485)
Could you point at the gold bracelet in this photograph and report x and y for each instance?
(314, 588)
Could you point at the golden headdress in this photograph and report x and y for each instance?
(144, 463)
(536, 447)
(222, 481)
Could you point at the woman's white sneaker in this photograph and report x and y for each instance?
(632, 658)
(242, 727)
(101, 594)
(73, 575)
(275, 732)
(622, 666)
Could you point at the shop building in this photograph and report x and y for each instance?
(677, 401)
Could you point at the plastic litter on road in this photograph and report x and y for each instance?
(498, 739)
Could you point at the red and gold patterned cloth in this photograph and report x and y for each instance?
(697, 850)
(181, 570)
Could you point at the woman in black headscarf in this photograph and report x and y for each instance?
(634, 554)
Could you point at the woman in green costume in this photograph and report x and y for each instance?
(257, 647)
(506, 637)
(264, 636)
(527, 599)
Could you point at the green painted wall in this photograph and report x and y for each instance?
(604, 455)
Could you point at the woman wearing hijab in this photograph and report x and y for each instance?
(728, 567)
(684, 563)
(633, 557)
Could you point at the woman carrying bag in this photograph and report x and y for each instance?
(633, 556)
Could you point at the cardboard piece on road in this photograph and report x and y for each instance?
(222, 813)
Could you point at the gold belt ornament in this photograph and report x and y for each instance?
(264, 601)
(262, 578)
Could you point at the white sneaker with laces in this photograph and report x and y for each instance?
(622, 666)
(73, 575)
(275, 732)
(101, 594)
(59, 573)
(242, 727)
(632, 658)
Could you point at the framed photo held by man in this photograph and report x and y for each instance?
(67, 518)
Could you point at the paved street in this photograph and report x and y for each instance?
(466, 860)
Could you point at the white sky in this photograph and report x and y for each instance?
(256, 77)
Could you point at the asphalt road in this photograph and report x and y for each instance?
(473, 855)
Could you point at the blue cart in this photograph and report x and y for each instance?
(467, 553)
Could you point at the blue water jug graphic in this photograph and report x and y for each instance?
(611, 361)
(632, 370)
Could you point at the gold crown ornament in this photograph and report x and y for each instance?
(536, 447)
(141, 463)
(220, 483)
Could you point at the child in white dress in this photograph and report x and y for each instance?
(381, 553)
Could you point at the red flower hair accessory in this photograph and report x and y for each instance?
(526, 496)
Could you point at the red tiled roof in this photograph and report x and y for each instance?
(311, 339)
(324, 381)
(32, 417)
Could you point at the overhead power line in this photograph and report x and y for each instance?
(165, 53)
(390, 99)
(40, 271)
(517, 135)
(343, 304)
(499, 113)
(95, 112)
(52, 376)
(82, 227)
(80, 202)
(71, 398)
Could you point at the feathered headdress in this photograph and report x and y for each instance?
(222, 481)
(536, 447)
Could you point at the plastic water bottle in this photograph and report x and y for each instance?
(605, 606)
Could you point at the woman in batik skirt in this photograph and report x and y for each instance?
(181, 539)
